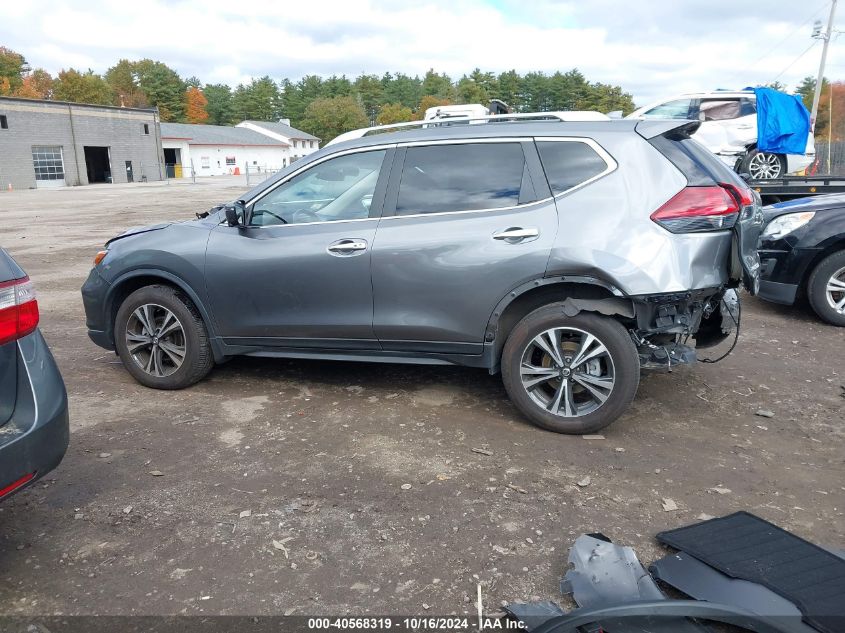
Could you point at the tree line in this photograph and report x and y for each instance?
(321, 106)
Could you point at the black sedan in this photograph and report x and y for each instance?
(33, 400)
(802, 251)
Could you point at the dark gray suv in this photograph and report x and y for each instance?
(568, 255)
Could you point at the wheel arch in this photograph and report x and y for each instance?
(833, 245)
(579, 293)
(129, 282)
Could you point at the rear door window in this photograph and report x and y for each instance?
(719, 109)
(570, 163)
(747, 107)
(460, 177)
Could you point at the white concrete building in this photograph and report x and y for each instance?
(301, 143)
(216, 150)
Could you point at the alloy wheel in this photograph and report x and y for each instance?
(155, 340)
(764, 166)
(567, 371)
(835, 291)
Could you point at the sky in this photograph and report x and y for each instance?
(652, 49)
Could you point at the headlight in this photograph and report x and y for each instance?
(100, 257)
(783, 225)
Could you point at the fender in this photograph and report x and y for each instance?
(179, 283)
(520, 290)
(609, 301)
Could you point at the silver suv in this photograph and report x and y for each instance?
(567, 255)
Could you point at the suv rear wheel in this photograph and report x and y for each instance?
(826, 289)
(570, 374)
(161, 338)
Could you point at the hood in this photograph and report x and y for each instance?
(137, 230)
(829, 202)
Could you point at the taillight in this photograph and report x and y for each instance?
(18, 309)
(744, 195)
(698, 209)
(6, 491)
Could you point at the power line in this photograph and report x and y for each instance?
(793, 62)
(793, 32)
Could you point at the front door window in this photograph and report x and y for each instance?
(337, 189)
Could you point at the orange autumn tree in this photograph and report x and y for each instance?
(195, 104)
(827, 126)
(36, 85)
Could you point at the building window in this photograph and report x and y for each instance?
(4, 123)
(205, 162)
(230, 160)
(146, 129)
(48, 163)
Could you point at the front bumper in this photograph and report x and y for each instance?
(777, 292)
(783, 269)
(35, 438)
(94, 299)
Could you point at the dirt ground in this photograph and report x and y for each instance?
(317, 457)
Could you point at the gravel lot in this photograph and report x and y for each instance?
(318, 457)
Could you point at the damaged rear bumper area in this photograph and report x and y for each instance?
(666, 323)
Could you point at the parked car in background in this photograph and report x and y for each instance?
(33, 401)
(729, 130)
(802, 252)
(568, 255)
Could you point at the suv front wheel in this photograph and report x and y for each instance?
(570, 374)
(161, 338)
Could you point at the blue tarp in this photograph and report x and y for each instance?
(783, 123)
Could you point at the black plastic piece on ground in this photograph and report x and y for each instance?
(745, 546)
(700, 581)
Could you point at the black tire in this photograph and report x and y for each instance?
(620, 349)
(773, 162)
(817, 288)
(198, 358)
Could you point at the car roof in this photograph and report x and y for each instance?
(498, 129)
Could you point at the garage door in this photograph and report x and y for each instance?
(49, 166)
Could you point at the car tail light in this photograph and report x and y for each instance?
(699, 209)
(18, 309)
(4, 492)
(744, 195)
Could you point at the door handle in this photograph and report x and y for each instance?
(516, 234)
(347, 247)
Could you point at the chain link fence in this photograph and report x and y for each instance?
(256, 174)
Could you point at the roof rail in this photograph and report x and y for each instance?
(573, 115)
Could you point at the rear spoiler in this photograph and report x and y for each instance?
(649, 128)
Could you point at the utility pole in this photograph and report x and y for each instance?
(826, 37)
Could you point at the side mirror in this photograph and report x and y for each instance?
(235, 214)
